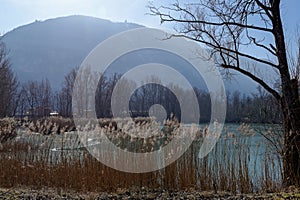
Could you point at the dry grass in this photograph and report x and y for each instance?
(232, 165)
(7, 129)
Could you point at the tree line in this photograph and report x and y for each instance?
(38, 98)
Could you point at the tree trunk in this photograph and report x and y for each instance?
(290, 106)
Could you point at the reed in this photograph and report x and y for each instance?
(241, 162)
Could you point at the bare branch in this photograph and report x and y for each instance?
(169, 18)
(221, 48)
(265, 8)
(257, 43)
(256, 79)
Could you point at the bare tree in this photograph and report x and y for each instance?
(83, 97)
(64, 97)
(44, 93)
(103, 94)
(36, 97)
(22, 104)
(31, 94)
(230, 27)
(8, 85)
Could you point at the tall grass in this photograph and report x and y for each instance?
(241, 162)
(7, 129)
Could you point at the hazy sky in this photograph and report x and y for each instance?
(14, 13)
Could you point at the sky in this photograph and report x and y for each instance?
(14, 13)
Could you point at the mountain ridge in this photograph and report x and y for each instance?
(51, 48)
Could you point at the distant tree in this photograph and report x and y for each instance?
(22, 105)
(204, 104)
(8, 85)
(34, 96)
(30, 89)
(64, 96)
(44, 92)
(84, 88)
(103, 95)
(228, 28)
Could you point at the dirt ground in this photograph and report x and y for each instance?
(49, 193)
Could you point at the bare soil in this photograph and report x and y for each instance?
(49, 193)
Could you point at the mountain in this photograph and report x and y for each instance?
(51, 48)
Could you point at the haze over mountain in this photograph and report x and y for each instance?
(50, 49)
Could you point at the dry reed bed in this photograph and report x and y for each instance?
(231, 166)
